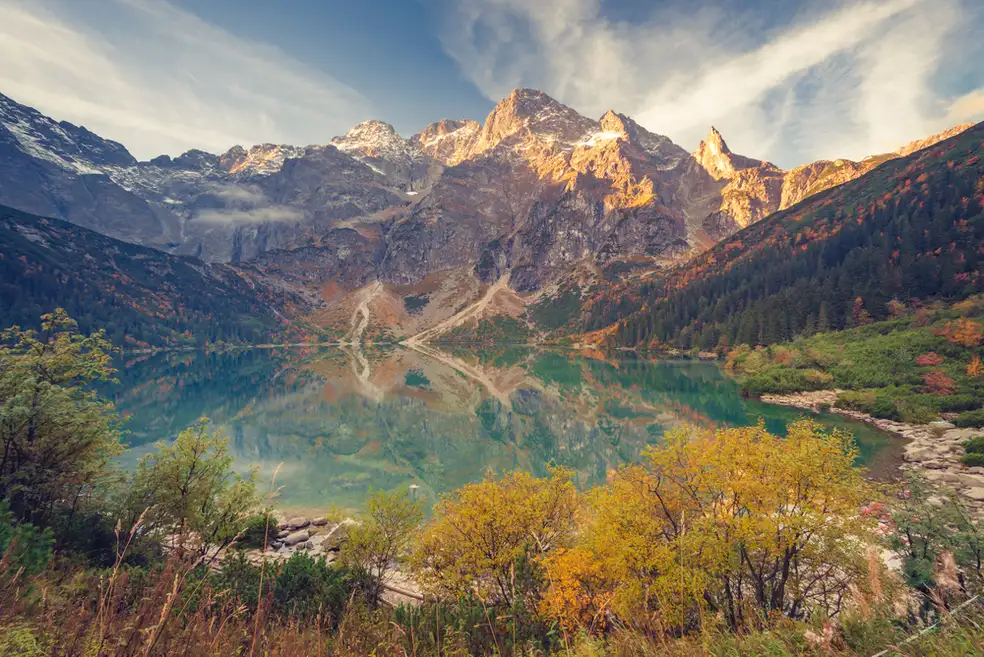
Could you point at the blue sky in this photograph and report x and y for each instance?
(790, 81)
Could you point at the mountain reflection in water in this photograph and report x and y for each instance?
(343, 423)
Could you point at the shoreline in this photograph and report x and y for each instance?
(932, 450)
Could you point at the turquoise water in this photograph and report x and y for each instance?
(338, 423)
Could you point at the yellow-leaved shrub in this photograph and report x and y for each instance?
(735, 523)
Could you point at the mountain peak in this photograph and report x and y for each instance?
(531, 110)
(715, 157)
(374, 139)
(447, 141)
(715, 143)
(932, 140)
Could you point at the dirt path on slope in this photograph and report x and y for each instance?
(471, 312)
(363, 309)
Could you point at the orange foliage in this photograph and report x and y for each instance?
(931, 359)
(975, 368)
(939, 382)
(963, 331)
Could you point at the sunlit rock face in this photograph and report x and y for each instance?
(537, 191)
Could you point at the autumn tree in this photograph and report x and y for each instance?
(930, 359)
(975, 368)
(382, 536)
(859, 316)
(736, 522)
(57, 437)
(938, 382)
(896, 308)
(964, 332)
(481, 533)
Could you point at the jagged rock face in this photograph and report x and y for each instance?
(59, 170)
(807, 180)
(557, 237)
(448, 142)
(262, 159)
(535, 191)
(378, 145)
(754, 189)
(342, 256)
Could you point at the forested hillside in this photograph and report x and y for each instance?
(910, 230)
(139, 295)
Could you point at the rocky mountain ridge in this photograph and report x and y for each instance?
(537, 191)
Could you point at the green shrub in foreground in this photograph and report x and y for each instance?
(31, 547)
(975, 445)
(970, 419)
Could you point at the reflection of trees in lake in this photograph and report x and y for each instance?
(416, 419)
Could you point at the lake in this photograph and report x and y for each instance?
(343, 422)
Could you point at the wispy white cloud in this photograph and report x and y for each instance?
(160, 79)
(256, 215)
(840, 80)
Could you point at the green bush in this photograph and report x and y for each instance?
(31, 546)
(975, 445)
(20, 640)
(973, 459)
(306, 588)
(970, 419)
(958, 403)
(255, 533)
(784, 380)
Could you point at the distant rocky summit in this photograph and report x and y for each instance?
(538, 191)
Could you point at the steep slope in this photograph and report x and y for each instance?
(139, 295)
(59, 169)
(909, 230)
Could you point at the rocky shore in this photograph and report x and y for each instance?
(321, 538)
(933, 450)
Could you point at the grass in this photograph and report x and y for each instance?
(902, 369)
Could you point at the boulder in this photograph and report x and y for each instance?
(320, 521)
(924, 454)
(333, 539)
(298, 523)
(976, 494)
(297, 537)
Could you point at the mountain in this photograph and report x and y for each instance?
(141, 296)
(490, 218)
(909, 230)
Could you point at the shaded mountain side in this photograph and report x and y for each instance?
(139, 295)
(911, 229)
(537, 190)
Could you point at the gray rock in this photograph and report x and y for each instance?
(976, 494)
(298, 523)
(297, 537)
(320, 521)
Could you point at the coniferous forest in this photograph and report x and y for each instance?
(140, 296)
(909, 231)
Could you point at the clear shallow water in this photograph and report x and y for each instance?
(341, 425)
